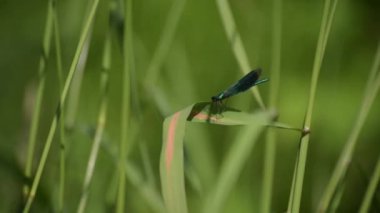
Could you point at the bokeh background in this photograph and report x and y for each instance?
(198, 65)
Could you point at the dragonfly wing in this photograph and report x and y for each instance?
(242, 85)
(248, 80)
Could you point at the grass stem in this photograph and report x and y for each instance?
(327, 18)
(62, 139)
(40, 91)
(237, 44)
(340, 170)
(102, 117)
(62, 100)
(125, 113)
(270, 145)
(371, 190)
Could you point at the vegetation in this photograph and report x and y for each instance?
(109, 109)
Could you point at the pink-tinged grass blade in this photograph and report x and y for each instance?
(172, 157)
(171, 163)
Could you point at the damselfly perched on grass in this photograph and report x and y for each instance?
(249, 80)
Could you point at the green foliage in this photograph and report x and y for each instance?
(170, 54)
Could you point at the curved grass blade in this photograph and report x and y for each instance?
(171, 162)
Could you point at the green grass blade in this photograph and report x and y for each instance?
(371, 190)
(236, 43)
(165, 41)
(340, 170)
(270, 145)
(234, 162)
(338, 196)
(327, 18)
(171, 162)
(102, 117)
(41, 88)
(134, 176)
(53, 125)
(75, 88)
(125, 108)
(62, 120)
(291, 196)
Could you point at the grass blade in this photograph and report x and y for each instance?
(234, 162)
(125, 113)
(75, 88)
(53, 125)
(171, 162)
(62, 120)
(340, 170)
(371, 190)
(236, 43)
(327, 18)
(102, 117)
(270, 145)
(41, 88)
(165, 41)
(134, 176)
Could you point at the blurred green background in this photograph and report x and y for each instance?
(198, 65)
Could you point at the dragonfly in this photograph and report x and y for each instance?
(249, 80)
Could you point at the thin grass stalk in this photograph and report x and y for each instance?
(348, 150)
(374, 69)
(125, 113)
(102, 117)
(338, 197)
(75, 88)
(62, 100)
(270, 145)
(62, 120)
(371, 190)
(165, 41)
(236, 44)
(231, 168)
(48, 31)
(150, 194)
(291, 196)
(304, 140)
(74, 94)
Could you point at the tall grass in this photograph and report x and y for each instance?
(270, 146)
(41, 89)
(236, 43)
(190, 178)
(102, 117)
(62, 137)
(371, 90)
(61, 103)
(297, 184)
(125, 113)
